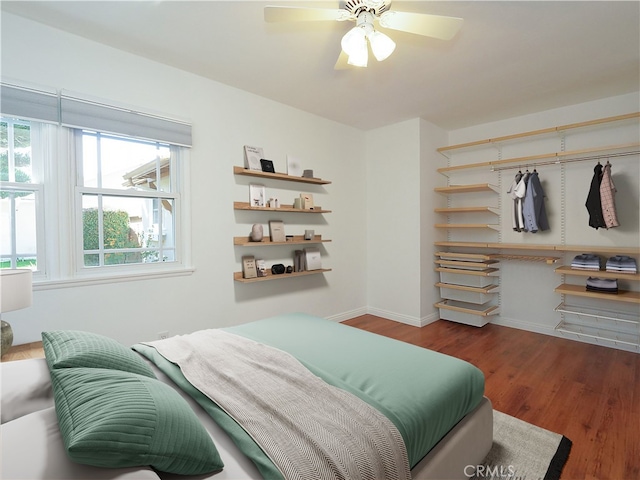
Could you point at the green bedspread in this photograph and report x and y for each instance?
(424, 393)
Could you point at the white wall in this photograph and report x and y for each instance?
(393, 221)
(224, 119)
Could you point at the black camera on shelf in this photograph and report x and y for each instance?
(277, 269)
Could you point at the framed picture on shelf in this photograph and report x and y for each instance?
(267, 165)
(252, 156)
(257, 195)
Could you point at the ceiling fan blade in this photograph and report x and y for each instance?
(341, 63)
(436, 26)
(301, 14)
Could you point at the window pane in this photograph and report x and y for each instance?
(126, 230)
(15, 151)
(120, 163)
(18, 229)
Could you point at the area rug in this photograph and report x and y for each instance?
(523, 451)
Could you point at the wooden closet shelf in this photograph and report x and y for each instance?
(487, 272)
(471, 256)
(449, 305)
(479, 187)
(531, 160)
(467, 210)
(467, 225)
(581, 291)
(544, 131)
(528, 258)
(494, 288)
(278, 176)
(557, 248)
(466, 264)
(567, 270)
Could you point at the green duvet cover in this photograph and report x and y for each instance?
(424, 393)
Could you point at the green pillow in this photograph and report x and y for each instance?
(73, 348)
(110, 418)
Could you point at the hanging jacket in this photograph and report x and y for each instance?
(514, 198)
(534, 210)
(593, 204)
(607, 193)
(520, 192)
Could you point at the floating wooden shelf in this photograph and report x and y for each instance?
(237, 276)
(479, 187)
(567, 270)
(467, 210)
(296, 240)
(283, 208)
(528, 258)
(581, 291)
(278, 176)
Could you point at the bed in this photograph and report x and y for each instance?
(435, 403)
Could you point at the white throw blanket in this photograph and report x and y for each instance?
(308, 428)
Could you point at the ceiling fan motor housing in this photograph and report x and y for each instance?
(376, 7)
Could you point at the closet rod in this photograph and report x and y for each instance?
(566, 160)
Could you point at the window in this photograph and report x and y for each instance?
(126, 193)
(90, 192)
(21, 215)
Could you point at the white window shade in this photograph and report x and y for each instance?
(29, 103)
(91, 115)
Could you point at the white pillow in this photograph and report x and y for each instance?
(26, 388)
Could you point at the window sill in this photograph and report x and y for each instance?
(112, 278)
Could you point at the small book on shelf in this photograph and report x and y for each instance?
(276, 231)
(313, 259)
(257, 195)
(252, 156)
(249, 267)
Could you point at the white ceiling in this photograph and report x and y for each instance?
(510, 57)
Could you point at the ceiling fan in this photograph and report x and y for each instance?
(365, 13)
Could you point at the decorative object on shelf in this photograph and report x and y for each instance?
(299, 261)
(276, 231)
(293, 166)
(306, 201)
(313, 259)
(257, 195)
(261, 268)
(252, 156)
(307, 174)
(289, 269)
(15, 294)
(267, 165)
(257, 233)
(309, 234)
(274, 202)
(249, 267)
(278, 269)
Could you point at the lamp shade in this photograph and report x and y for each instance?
(354, 41)
(381, 45)
(15, 289)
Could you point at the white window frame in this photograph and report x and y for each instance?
(40, 150)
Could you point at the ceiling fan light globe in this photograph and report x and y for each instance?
(360, 57)
(381, 45)
(354, 41)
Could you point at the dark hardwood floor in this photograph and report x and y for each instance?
(589, 393)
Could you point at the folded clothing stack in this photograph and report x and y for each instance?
(604, 285)
(622, 263)
(586, 261)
